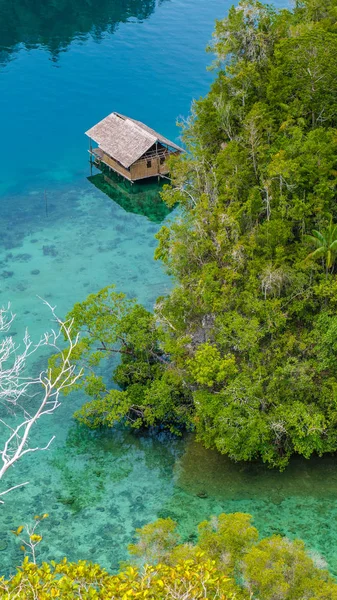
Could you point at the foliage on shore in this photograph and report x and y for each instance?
(228, 562)
(187, 579)
(273, 568)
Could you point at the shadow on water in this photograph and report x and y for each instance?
(201, 470)
(141, 198)
(54, 25)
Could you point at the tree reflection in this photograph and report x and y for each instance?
(54, 24)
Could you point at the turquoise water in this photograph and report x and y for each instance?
(64, 66)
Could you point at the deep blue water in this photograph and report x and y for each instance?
(66, 69)
(63, 66)
(147, 62)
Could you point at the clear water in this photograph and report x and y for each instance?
(64, 65)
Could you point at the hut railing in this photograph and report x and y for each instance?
(156, 154)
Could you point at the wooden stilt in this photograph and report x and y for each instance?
(90, 151)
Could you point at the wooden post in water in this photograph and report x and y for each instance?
(90, 150)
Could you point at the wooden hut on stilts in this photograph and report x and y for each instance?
(130, 148)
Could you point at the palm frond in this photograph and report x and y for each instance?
(318, 235)
(314, 240)
(317, 253)
(333, 246)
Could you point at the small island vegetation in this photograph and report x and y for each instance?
(243, 349)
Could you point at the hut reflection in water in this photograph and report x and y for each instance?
(142, 198)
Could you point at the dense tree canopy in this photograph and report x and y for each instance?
(244, 347)
(254, 306)
(150, 391)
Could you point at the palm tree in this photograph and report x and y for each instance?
(326, 244)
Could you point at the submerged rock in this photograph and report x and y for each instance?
(202, 494)
(70, 500)
(49, 251)
(22, 257)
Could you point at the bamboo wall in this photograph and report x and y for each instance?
(115, 165)
(140, 170)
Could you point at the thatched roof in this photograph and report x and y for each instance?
(125, 139)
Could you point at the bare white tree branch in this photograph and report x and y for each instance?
(17, 388)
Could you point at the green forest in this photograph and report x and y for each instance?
(243, 350)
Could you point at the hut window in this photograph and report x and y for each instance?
(149, 164)
(162, 160)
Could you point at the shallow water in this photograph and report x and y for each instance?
(64, 66)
